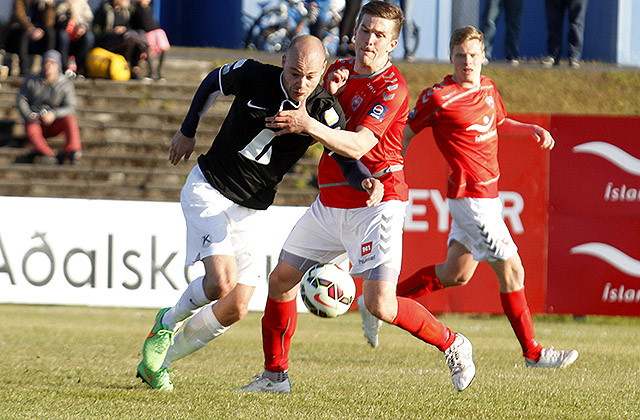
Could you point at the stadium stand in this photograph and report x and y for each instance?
(126, 128)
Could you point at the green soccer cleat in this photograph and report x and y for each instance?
(156, 344)
(156, 380)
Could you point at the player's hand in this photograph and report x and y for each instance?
(543, 137)
(181, 145)
(336, 81)
(375, 189)
(291, 121)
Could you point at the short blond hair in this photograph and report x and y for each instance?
(464, 34)
(386, 11)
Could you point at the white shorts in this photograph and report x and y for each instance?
(477, 224)
(218, 226)
(370, 237)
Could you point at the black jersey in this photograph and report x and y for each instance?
(246, 160)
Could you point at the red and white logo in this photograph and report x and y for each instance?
(366, 248)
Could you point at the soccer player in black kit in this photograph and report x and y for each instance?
(225, 192)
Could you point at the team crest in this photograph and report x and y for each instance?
(489, 100)
(355, 102)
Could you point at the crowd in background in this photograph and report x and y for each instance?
(71, 27)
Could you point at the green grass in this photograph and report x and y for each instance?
(79, 363)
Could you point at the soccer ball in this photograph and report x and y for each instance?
(327, 290)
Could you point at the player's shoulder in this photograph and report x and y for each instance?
(439, 91)
(343, 63)
(325, 107)
(250, 66)
(487, 83)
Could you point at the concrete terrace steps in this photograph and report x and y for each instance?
(126, 129)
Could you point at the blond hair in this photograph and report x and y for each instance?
(464, 34)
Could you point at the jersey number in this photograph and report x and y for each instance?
(259, 149)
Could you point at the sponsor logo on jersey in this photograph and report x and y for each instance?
(331, 117)
(412, 114)
(355, 102)
(366, 248)
(378, 111)
(485, 129)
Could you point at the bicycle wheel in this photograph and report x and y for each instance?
(269, 32)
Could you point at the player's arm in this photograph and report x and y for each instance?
(360, 178)
(184, 141)
(352, 144)
(407, 135)
(512, 127)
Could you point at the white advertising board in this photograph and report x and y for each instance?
(109, 253)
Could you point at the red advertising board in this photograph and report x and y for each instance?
(523, 188)
(594, 216)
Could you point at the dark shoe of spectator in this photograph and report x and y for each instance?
(72, 157)
(28, 158)
(574, 63)
(548, 61)
(37, 157)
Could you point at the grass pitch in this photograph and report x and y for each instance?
(79, 363)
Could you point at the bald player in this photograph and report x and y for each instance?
(228, 188)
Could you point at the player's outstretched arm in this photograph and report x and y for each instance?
(181, 145)
(352, 144)
(517, 128)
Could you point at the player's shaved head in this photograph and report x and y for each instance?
(307, 45)
(304, 64)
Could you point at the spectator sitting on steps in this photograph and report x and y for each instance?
(47, 102)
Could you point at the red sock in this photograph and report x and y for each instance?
(421, 323)
(278, 325)
(517, 310)
(420, 283)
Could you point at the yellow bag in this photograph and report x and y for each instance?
(104, 64)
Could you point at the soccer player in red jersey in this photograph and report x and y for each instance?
(465, 112)
(374, 97)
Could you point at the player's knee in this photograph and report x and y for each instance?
(217, 286)
(381, 310)
(236, 313)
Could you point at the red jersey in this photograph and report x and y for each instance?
(379, 102)
(464, 123)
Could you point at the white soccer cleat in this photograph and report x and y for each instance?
(551, 358)
(370, 324)
(261, 383)
(460, 361)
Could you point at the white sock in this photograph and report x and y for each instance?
(191, 300)
(200, 329)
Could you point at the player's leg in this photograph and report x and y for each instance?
(457, 270)
(381, 300)
(209, 323)
(310, 242)
(510, 273)
(278, 326)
